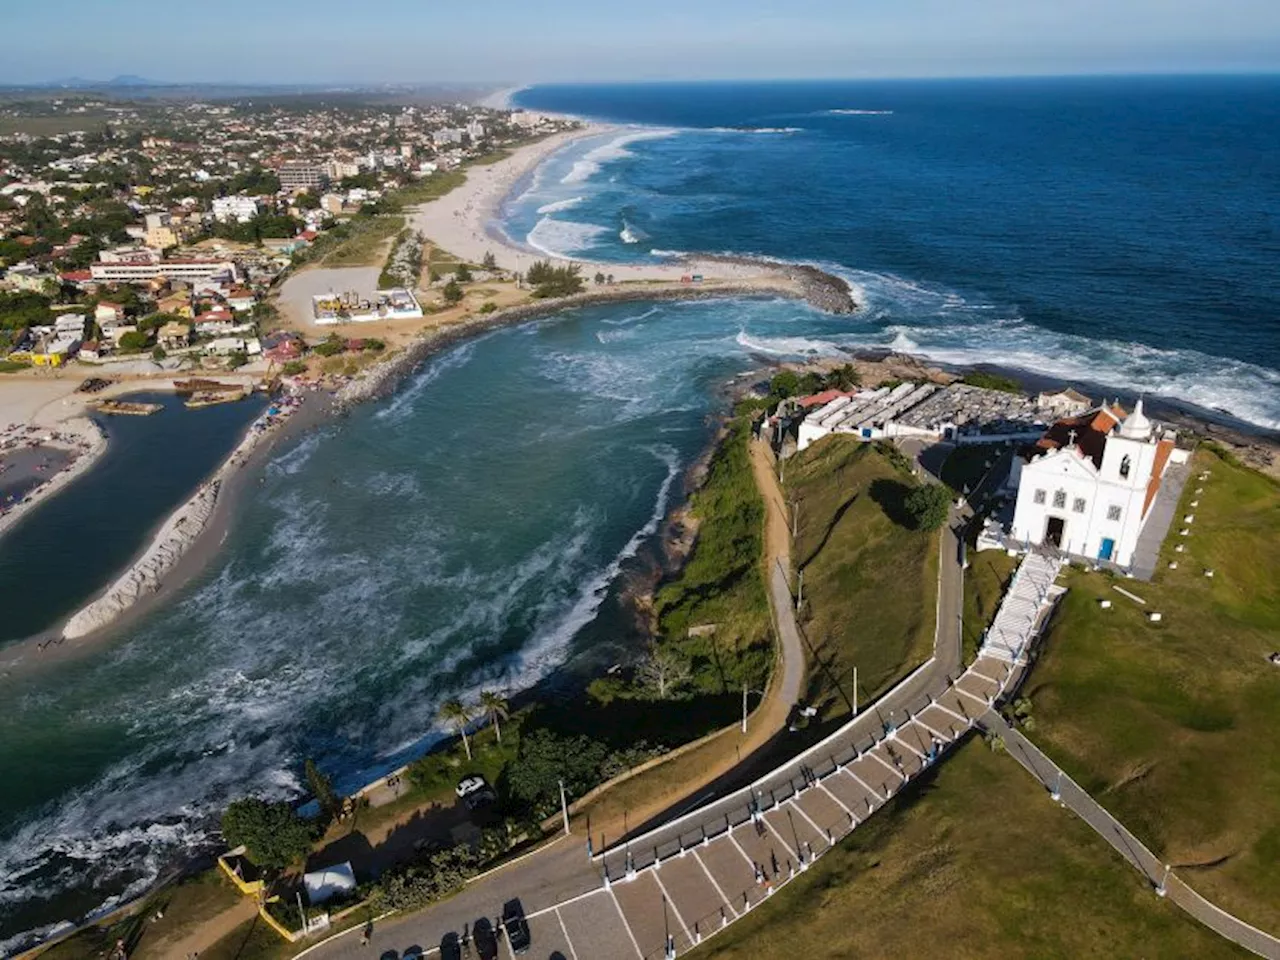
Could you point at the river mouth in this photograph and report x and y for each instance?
(69, 547)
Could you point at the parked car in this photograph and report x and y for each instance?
(516, 926)
(475, 792)
(485, 940)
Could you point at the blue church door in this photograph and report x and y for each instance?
(1107, 549)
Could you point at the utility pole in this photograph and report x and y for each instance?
(800, 590)
(855, 691)
(744, 708)
(564, 808)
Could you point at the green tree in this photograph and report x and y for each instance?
(456, 713)
(273, 835)
(158, 353)
(452, 292)
(928, 506)
(331, 346)
(321, 788)
(991, 381)
(237, 359)
(462, 274)
(489, 263)
(133, 341)
(546, 759)
(495, 708)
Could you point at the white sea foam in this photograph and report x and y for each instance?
(623, 321)
(563, 238)
(559, 205)
(616, 149)
(631, 233)
(861, 113)
(753, 130)
(788, 346)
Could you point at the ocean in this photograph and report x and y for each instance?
(1119, 231)
(474, 528)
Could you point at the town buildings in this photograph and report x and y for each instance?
(298, 175)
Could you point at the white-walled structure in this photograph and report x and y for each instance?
(1088, 484)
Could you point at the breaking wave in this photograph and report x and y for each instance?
(860, 113)
(563, 238)
(559, 205)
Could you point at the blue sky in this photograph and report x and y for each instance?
(568, 40)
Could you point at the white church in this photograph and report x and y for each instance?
(1088, 485)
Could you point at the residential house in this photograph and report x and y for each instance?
(174, 336)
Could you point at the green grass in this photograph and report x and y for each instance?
(870, 582)
(984, 584)
(1173, 725)
(10, 366)
(975, 863)
(721, 583)
(363, 247)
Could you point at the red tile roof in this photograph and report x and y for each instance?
(822, 399)
(1089, 432)
(1163, 449)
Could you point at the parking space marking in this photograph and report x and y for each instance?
(808, 819)
(567, 939)
(786, 846)
(674, 909)
(852, 816)
(715, 884)
(943, 707)
(862, 783)
(972, 696)
(734, 841)
(626, 926)
(886, 764)
(935, 733)
(899, 740)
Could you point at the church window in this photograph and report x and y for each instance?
(1039, 498)
(1124, 466)
(1060, 499)
(1078, 505)
(1113, 513)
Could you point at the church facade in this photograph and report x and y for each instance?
(1087, 486)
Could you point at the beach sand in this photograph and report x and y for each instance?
(461, 221)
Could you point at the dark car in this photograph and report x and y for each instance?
(485, 940)
(516, 926)
(475, 792)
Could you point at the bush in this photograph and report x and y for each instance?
(133, 341)
(331, 346)
(237, 360)
(927, 506)
(551, 281)
(415, 887)
(545, 759)
(991, 381)
(452, 292)
(272, 834)
(488, 307)
(292, 368)
(462, 274)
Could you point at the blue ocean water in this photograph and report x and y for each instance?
(1123, 231)
(469, 530)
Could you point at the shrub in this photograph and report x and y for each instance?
(292, 368)
(133, 341)
(991, 381)
(452, 292)
(273, 835)
(462, 274)
(331, 346)
(488, 307)
(415, 887)
(927, 506)
(545, 759)
(551, 281)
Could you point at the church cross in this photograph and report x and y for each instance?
(1071, 438)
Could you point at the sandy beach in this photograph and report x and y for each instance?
(460, 221)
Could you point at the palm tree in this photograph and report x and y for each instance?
(456, 712)
(495, 708)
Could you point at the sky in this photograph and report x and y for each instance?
(519, 41)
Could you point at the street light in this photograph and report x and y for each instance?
(745, 691)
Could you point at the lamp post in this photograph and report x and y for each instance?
(745, 691)
(564, 807)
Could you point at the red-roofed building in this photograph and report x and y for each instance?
(1088, 485)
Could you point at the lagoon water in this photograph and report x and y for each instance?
(467, 531)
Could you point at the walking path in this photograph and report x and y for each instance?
(1162, 879)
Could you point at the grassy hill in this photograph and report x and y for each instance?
(1172, 726)
(870, 582)
(974, 862)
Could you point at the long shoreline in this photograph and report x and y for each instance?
(95, 441)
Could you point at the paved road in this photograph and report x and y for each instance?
(1126, 844)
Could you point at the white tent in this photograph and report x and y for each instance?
(332, 881)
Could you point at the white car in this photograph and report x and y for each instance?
(474, 791)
